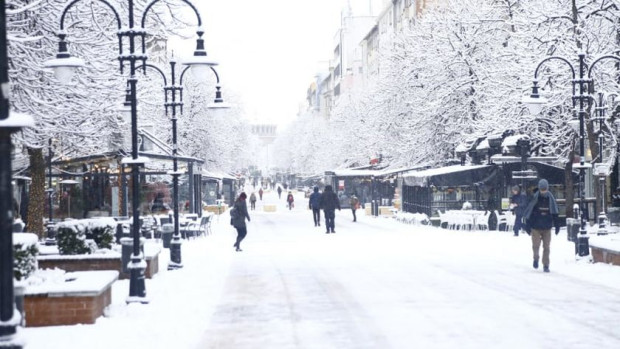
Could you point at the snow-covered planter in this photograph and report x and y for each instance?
(85, 236)
(25, 252)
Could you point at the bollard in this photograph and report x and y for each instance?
(166, 234)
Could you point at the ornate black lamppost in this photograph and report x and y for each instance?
(171, 102)
(9, 123)
(581, 82)
(131, 35)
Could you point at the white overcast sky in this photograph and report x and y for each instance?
(270, 50)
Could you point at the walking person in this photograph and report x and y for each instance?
(314, 203)
(279, 192)
(540, 215)
(252, 201)
(329, 203)
(290, 199)
(355, 203)
(518, 202)
(260, 194)
(238, 214)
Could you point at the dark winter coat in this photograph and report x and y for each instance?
(290, 198)
(541, 212)
(521, 201)
(315, 199)
(242, 213)
(329, 200)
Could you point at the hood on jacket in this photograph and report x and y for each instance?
(328, 188)
(316, 189)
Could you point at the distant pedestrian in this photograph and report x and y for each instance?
(518, 202)
(279, 192)
(290, 200)
(314, 203)
(238, 219)
(252, 201)
(329, 203)
(540, 215)
(260, 194)
(355, 204)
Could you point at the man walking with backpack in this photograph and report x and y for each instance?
(329, 203)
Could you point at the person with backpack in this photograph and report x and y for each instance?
(314, 205)
(238, 215)
(252, 201)
(290, 199)
(540, 215)
(329, 203)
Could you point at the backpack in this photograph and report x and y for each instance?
(233, 215)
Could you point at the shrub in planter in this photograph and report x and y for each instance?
(101, 230)
(25, 252)
(71, 238)
(85, 235)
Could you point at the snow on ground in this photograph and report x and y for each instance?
(375, 283)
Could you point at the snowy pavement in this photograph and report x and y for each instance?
(375, 283)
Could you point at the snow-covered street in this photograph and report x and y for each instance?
(375, 283)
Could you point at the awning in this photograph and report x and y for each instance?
(449, 176)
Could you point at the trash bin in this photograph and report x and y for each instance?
(166, 234)
(572, 229)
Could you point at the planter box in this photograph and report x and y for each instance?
(383, 210)
(269, 208)
(91, 262)
(81, 299)
(215, 208)
(605, 249)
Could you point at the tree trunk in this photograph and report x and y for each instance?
(36, 202)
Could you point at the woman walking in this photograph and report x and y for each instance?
(238, 215)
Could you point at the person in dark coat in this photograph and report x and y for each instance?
(329, 203)
(290, 200)
(518, 202)
(238, 221)
(260, 193)
(315, 205)
(279, 192)
(540, 215)
(354, 202)
(252, 201)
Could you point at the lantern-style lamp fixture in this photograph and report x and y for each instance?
(64, 65)
(199, 63)
(534, 102)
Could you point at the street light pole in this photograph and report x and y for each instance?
(9, 123)
(64, 66)
(173, 88)
(601, 168)
(50, 190)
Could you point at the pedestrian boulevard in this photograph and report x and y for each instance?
(376, 283)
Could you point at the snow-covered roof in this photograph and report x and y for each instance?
(216, 175)
(511, 141)
(442, 170)
(484, 145)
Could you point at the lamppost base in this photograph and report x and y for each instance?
(9, 336)
(583, 245)
(175, 254)
(137, 287)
